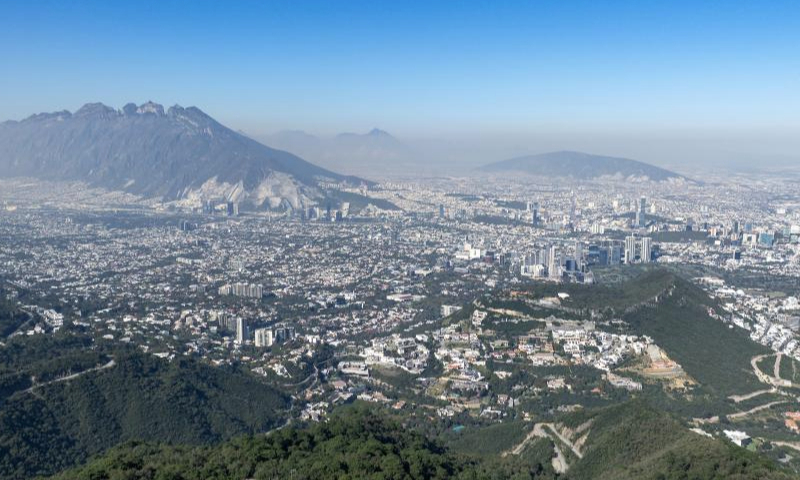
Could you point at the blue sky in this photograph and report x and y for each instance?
(415, 68)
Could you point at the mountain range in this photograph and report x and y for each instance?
(174, 154)
(583, 166)
(376, 151)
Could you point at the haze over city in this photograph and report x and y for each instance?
(676, 84)
(318, 240)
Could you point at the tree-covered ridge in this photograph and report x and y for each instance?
(358, 442)
(630, 441)
(47, 426)
(635, 441)
(712, 352)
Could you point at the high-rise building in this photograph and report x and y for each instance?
(646, 250)
(541, 257)
(263, 337)
(638, 250)
(614, 254)
(766, 239)
(570, 265)
(641, 213)
(554, 263)
(283, 332)
(241, 331)
(630, 249)
(267, 337)
(242, 290)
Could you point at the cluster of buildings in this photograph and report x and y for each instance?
(771, 320)
(269, 336)
(402, 289)
(242, 290)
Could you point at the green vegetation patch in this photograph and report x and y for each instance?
(141, 397)
(635, 441)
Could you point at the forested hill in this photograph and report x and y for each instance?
(11, 317)
(122, 395)
(636, 441)
(359, 442)
(631, 441)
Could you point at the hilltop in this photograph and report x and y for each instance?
(583, 166)
(170, 154)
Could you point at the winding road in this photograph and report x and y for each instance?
(540, 431)
(110, 364)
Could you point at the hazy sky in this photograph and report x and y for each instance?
(500, 69)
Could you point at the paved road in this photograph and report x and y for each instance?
(110, 364)
(793, 445)
(742, 398)
(756, 409)
(564, 439)
(765, 378)
(559, 461)
(540, 430)
(536, 432)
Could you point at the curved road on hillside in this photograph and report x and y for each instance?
(110, 364)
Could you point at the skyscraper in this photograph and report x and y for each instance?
(641, 213)
(614, 254)
(241, 330)
(264, 337)
(630, 249)
(554, 263)
(646, 251)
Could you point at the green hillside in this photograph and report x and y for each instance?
(677, 315)
(360, 442)
(630, 441)
(357, 444)
(710, 351)
(139, 397)
(634, 441)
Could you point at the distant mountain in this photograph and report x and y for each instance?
(295, 138)
(180, 153)
(582, 166)
(376, 151)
